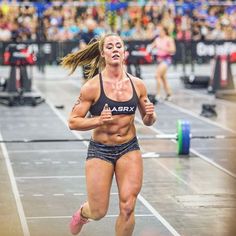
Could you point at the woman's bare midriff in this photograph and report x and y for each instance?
(120, 130)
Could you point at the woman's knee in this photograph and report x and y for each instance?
(158, 76)
(127, 206)
(98, 213)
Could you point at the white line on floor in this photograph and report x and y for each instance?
(24, 163)
(38, 162)
(66, 123)
(137, 215)
(158, 216)
(45, 162)
(196, 94)
(213, 163)
(198, 116)
(224, 149)
(150, 155)
(48, 151)
(67, 217)
(61, 194)
(37, 195)
(177, 177)
(56, 162)
(50, 177)
(73, 162)
(15, 190)
(79, 194)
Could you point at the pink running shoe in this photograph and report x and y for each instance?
(77, 222)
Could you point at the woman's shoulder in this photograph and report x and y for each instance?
(92, 83)
(137, 81)
(91, 87)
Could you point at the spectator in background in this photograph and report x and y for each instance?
(217, 33)
(138, 32)
(87, 33)
(195, 34)
(212, 18)
(5, 32)
(101, 28)
(167, 20)
(126, 32)
(4, 8)
(165, 49)
(150, 31)
(63, 22)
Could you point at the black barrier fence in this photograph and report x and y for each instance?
(191, 52)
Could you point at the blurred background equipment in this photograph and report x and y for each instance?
(17, 89)
(208, 110)
(222, 78)
(222, 81)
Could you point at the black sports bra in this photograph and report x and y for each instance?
(117, 108)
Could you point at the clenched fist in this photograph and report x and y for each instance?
(106, 114)
(149, 107)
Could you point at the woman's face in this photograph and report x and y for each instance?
(113, 50)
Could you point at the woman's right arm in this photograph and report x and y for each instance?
(78, 120)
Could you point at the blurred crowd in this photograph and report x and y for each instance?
(133, 20)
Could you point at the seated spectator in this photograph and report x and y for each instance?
(101, 28)
(138, 32)
(150, 31)
(5, 32)
(126, 31)
(65, 21)
(217, 33)
(196, 34)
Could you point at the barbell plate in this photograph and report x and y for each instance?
(179, 137)
(183, 144)
(186, 137)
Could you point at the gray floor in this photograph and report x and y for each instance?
(43, 183)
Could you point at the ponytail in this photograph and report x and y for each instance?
(89, 57)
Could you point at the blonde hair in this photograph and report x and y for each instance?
(89, 56)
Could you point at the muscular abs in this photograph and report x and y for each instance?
(120, 130)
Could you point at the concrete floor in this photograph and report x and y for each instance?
(43, 183)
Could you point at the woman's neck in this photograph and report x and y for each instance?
(114, 73)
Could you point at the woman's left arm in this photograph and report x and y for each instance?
(146, 108)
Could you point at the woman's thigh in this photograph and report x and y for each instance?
(129, 174)
(161, 69)
(99, 174)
